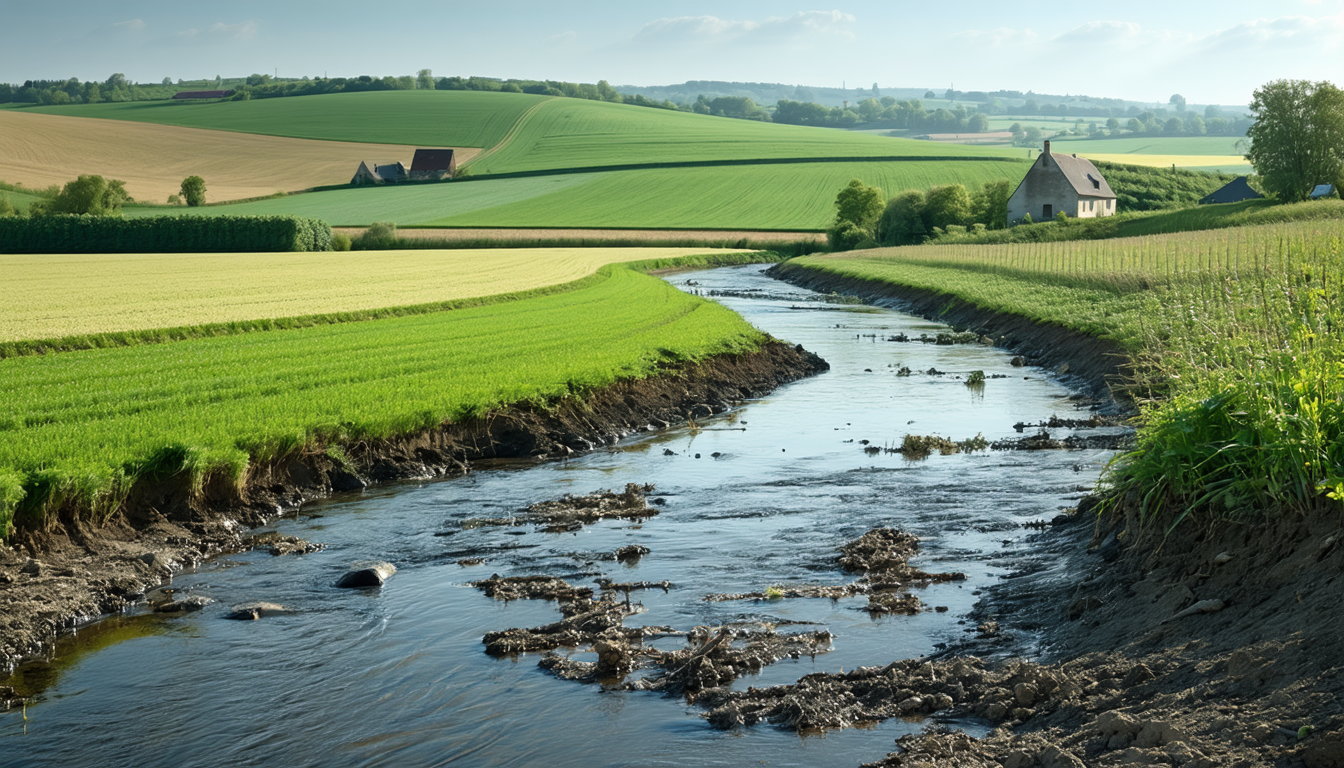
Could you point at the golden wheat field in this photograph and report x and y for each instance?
(40, 150)
(60, 295)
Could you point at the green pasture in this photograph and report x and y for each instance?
(1239, 365)
(80, 427)
(789, 196)
(424, 118)
(574, 133)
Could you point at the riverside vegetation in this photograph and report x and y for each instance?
(1238, 362)
(81, 427)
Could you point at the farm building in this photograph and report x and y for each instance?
(433, 164)
(1061, 184)
(1233, 191)
(1321, 190)
(372, 173)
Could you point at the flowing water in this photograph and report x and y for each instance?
(760, 496)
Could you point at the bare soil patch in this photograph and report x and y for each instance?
(40, 150)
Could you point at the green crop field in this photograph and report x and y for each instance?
(80, 427)
(1239, 362)
(425, 118)
(58, 296)
(791, 196)
(557, 133)
(573, 133)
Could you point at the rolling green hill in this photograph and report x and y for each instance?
(790, 196)
(573, 133)
(428, 118)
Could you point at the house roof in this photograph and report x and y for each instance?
(1322, 190)
(1233, 191)
(432, 160)
(1083, 175)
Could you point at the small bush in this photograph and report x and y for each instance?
(340, 241)
(380, 235)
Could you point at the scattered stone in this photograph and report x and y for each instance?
(186, 605)
(254, 611)
(633, 552)
(366, 575)
(279, 544)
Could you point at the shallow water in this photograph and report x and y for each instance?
(397, 676)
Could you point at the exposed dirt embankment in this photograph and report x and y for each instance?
(1218, 646)
(53, 582)
(1084, 362)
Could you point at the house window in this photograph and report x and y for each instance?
(1047, 212)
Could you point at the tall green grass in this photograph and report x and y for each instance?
(768, 197)
(1236, 338)
(78, 428)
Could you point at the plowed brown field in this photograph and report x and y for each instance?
(40, 150)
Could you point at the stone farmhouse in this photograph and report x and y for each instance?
(427, 165)
(1061, 184)
(372, 173)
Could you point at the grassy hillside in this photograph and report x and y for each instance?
(80, 427)
(57, 296)
(795, 196)
(423, 118)
(573, 133)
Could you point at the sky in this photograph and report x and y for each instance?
(1210, 52)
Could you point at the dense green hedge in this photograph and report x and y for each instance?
(166, 234)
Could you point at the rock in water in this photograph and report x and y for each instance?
(254, 611)
(367, 575)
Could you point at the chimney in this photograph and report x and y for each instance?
(1047, 147)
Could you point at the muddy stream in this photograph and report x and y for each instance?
(760, 497)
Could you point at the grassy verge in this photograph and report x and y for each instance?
(1235, 333)
(79, 428)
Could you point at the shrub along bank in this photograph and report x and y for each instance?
(1233, 335)
(204, 234)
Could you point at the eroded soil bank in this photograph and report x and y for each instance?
(53, 582)
(1092, 365)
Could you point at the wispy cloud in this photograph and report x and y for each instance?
(693, 30)
(1303, 34)
(218, 32)
(1095, 32)
(1003, 36)
(119, 29)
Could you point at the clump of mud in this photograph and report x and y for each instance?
(279, 544)
(570, 513)
(881, 556)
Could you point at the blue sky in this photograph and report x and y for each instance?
(1211, 52)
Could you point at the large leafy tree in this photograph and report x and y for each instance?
(858, 207)
(193, 190)
(1297, 140)
(91, 195)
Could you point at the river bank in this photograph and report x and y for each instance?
(54, 582)
(1091, 365)
(1214, 643)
